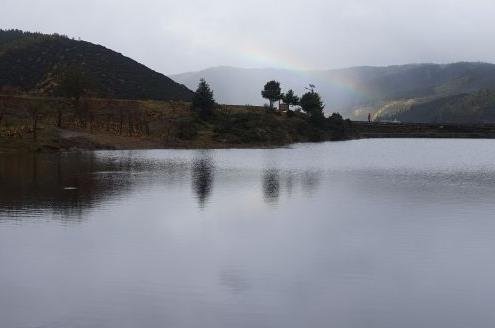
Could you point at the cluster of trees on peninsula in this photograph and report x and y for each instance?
(273, 93)
(310, 102)
(309, 111)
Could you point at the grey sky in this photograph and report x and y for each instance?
(185, 35)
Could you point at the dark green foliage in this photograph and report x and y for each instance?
(251, 127)
(311, 104)
(338, 127)
(31, 63)
(266, 128)
(73, 83)
(272, 92)
(290, 99)
(203, 101)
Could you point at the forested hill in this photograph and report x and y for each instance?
(476, 108)
(30, 62)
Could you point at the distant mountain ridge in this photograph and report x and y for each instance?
(30, 61)
(352, 90)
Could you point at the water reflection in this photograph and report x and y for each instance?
(234, 281)
(311, 181)
(277, 182)
(58, 182)
(65, 186)
(373, 240)
(202, 178)
(271, 185)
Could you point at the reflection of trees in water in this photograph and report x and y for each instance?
(310, 181)
(68, 185)
(271, 185)
(233, 280)
(289, 182)
(276, 182)
(203, 178)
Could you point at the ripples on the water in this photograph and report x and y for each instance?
(67, 185)
(371, 233)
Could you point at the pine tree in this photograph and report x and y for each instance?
(272, 92)
(311, 103)
(203, 101)
(290, 99)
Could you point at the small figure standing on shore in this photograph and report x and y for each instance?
(369, 117)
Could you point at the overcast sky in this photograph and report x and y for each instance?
(186, 35)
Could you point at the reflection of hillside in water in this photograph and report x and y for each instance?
(69, 184)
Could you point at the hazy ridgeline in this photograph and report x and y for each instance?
(353, 91)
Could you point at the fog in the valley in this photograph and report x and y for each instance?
(178, 36)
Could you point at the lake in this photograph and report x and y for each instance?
(368, 233)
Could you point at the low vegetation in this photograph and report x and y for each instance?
(50, 124)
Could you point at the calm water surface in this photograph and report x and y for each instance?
(370, 233)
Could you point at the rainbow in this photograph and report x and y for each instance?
(263, 56)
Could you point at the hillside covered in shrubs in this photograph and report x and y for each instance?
(31, 63)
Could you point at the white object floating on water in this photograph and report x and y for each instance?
(70, 188)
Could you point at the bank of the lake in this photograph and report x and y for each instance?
(41, 124)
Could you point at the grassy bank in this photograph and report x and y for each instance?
(57, 124)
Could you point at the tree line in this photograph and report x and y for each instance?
(74, 84)
(310, 102)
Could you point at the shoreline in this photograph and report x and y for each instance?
(44, 124)
(367, 130)
(75, 140)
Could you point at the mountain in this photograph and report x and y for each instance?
(478, 107)
(352, 91)
(29, 62)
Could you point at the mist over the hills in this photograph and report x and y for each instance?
(352, 91)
